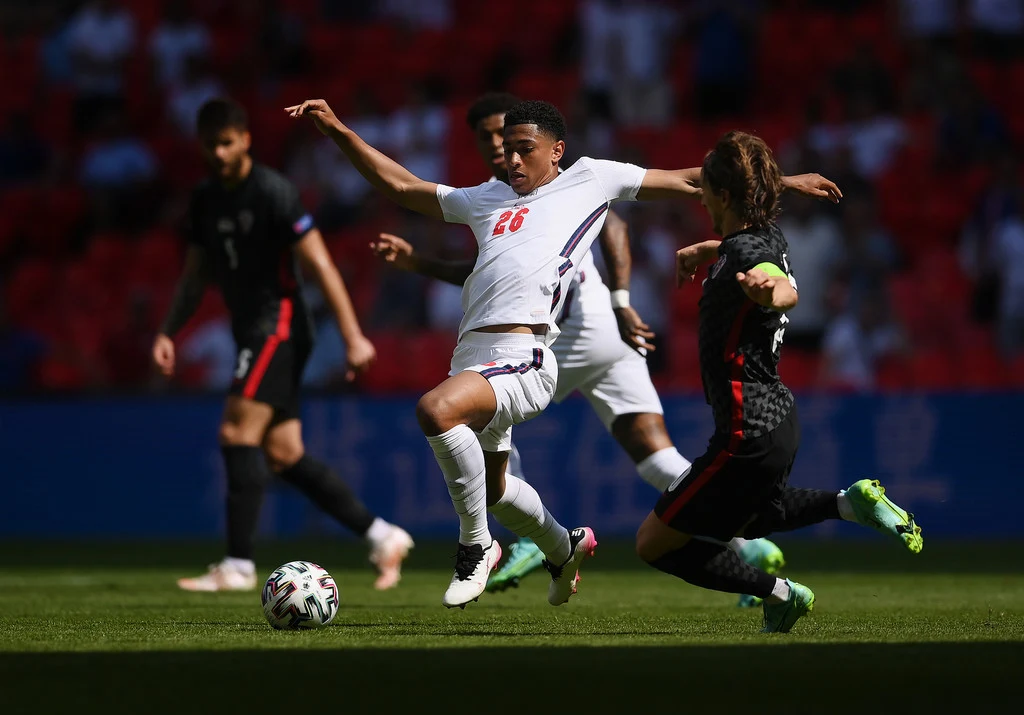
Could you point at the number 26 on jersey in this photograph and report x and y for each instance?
(514, 221)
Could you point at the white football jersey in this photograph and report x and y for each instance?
(530, 247)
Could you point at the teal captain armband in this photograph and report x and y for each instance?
(771, 269)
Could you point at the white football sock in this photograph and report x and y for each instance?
(461, 459)
(662, 468)
(780, 592)
(378, 530)
(845, 508)
(736, 544)
(245, 567)
(521, 511)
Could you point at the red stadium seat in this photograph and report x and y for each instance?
(683, 359)
(390, 372)
(933, 370)
(799, 369)
(981, 366)
(893, 374)
(430, 356)
(31, 285)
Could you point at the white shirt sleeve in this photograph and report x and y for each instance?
(620, 181)
(455, 203)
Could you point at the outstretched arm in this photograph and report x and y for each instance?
(388, 176)
(614, 240)
(692, 257)
(400, 253)
(359, 352)
(767, 285)
(813, 185)
(663, 184)
(685, 184)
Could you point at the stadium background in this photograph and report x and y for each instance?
(906, 349)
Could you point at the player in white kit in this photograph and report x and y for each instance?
(531, 234)
(611, 373)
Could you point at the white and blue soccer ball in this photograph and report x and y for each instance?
(298, 595)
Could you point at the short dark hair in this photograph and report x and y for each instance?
(544, 114)
(743, 165)
(221, 113)
(489, 104)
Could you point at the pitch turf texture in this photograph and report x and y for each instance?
(91, 627)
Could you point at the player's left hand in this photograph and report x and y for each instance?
(319, 111)
(359, 357)
(393, 249)
(814, 185)
(758, 285)
(633, 330)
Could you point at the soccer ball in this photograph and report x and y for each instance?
(300, 595)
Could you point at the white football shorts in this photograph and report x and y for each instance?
(520, 369)
(593, 359)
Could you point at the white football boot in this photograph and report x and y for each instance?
(387, 556)
(222, 576)
(564, 577)
(473, 566)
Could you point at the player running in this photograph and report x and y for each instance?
(532, 234)
(248, 231)
(739, 486)
(611, 373)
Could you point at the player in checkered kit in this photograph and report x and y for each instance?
(740, 485)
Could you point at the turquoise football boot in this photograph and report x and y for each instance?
(524, 558)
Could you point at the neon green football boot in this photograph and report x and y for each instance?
(780, 617)
(762, 554)
(524, 558)
(872, 508)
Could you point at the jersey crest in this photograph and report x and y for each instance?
(717, 268)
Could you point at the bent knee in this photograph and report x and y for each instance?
(435, 413)
(655, 539)
(281, 455)
(646, 546)
(231, 434)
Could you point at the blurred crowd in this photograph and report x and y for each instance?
(915, 280)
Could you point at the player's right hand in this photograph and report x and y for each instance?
(394, 250)
(633, 330)
(359, 355)
(319, 111)
(690, 258)
(163, 355)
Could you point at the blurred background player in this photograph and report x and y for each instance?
(739, 486)
(248, 233)
(611, 373)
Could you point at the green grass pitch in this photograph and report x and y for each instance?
(89, 627)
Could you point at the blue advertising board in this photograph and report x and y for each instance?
(150, 467)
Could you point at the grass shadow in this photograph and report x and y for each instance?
(797, 678)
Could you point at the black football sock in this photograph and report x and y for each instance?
(717, 567)
(801, 507)
(326, 489)
(248, 476)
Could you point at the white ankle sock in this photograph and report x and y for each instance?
(461, 459)
(242, 566)
(781, 590)
(521, 511)
(662, 468)
(378, 530)
(736, 543)
(845, 509)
